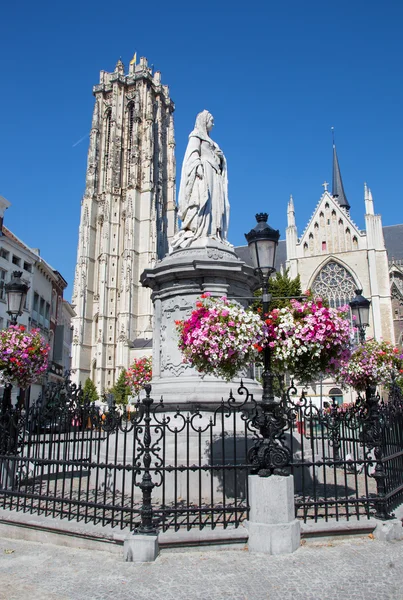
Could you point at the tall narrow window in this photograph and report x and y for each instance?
(3, 274)
(107, 144)
(130, 129)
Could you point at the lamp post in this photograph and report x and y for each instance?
(360, 310)
(16, 292)
(269, 455)
(263, 241)
(373, 427)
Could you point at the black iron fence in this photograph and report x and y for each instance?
(162, 466)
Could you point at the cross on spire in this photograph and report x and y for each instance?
(325, 184)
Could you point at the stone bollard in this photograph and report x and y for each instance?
(140, 548)
(272, 526)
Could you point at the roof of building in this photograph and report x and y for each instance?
(10, 235)
(393, 235)
(141, 343)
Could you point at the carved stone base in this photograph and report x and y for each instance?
(177, 282)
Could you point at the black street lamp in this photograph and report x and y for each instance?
(360, 310)
(263, 241)
(16, 292)
(269, 455)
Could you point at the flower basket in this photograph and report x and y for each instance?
(371, 364)
(139, 374)
(23, 355)
(308, 339)
(220, 337)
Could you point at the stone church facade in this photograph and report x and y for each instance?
(128, 216)
(334, 257)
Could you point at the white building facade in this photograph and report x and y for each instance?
(44, 301)
(128, 216)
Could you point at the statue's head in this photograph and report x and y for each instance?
(204, 122)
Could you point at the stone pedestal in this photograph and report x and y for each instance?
(389, 531)
(140, 548)
(272, 526)
(177, 282)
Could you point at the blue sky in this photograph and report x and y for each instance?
(275, 75)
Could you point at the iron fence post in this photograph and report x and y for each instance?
(6, 400)
(372, 437)
(146, 485)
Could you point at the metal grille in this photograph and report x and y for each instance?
(163, 466)
(71, 461)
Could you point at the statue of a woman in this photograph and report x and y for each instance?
(203, 193)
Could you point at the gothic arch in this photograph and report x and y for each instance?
(335, 282)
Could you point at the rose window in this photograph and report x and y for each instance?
(335, 284)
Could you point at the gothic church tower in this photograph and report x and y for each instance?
(128, 216)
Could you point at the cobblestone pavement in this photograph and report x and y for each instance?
(361, 569)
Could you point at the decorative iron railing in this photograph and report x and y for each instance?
(162, 466)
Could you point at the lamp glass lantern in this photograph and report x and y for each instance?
(360, 309)
(16, 293)
(263, 241)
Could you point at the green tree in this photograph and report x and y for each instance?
(90, 393)
(121, 390)
(282, 289)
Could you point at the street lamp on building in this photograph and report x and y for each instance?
(360, 310)
(16, 293)
(263, 241)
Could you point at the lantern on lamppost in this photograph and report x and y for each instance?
(263, 241)
(360, 310)
(16, 293)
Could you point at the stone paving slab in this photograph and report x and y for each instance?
(358, 569)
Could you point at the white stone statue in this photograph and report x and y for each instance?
(203, 193)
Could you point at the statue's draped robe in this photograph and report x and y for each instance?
(203, 202)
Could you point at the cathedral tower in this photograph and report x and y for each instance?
(128, 216)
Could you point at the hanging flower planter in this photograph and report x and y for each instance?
(23, 355)
(139, 374)
(308, 339)
(220, 337)
(372, 363)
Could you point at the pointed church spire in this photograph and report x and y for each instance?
(290, 212)
(120, 68)
(337, 187)
(369, 203)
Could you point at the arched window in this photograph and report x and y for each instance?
(337, 394)
(335, 284)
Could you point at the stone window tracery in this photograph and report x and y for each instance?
(130, 141)
(107, 144)
(335, 284)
